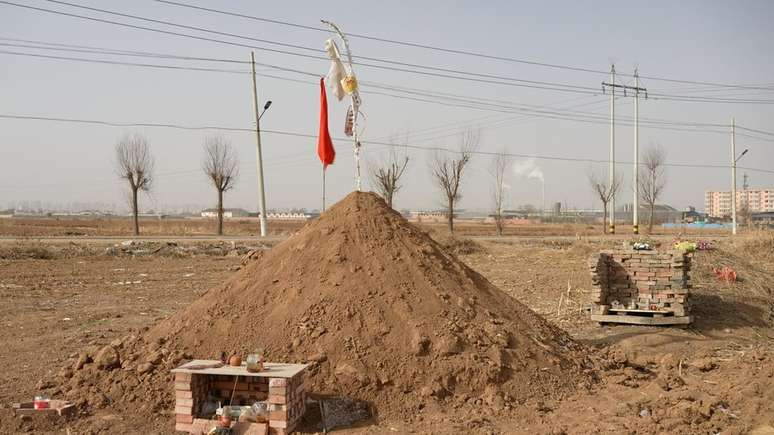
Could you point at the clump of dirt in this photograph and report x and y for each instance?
(458, 245)
(27, 250)
(171, 249)
(381, 311)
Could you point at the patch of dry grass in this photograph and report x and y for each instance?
(27, 250)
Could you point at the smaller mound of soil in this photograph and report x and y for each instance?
(458, 245)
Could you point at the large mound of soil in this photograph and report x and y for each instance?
(382, 311)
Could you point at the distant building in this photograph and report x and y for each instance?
(765, 218)
(427, 216)
(691, 215)
(661, 213)
(718, 204)
(228, 213)
(290, 216)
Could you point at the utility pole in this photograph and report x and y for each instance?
(637, 89)
(733, 176)
(636, 169)
(611, 169)
(259, 155)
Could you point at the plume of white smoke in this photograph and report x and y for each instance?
(529, 169)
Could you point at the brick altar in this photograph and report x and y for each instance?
(281, 386)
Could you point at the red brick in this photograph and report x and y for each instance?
(187, 410)
(179, 394)
(278, 423)
(259, 387)
(183, 427)
(278, 415)
(183, 402)
(182, 386)
(229, 385)
(278, 382)
(183, 418)
(278, 390)
(182, 377)
(277, 399)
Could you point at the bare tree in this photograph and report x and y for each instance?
(499, 163)
(447, 169)
(386, 177)
(652, 179)
(134, 163)
(743, 212)
(605, 192)
(221, 166)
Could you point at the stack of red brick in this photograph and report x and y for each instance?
(641, 280)
(285, 398)
(190, 394)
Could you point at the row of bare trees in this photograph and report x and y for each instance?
(135, 164)
(447, 170)
(651, 182)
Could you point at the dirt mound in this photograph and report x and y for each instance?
(382, 311)
(458, 245)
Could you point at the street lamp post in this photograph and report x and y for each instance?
(259, 153)
(734, 159)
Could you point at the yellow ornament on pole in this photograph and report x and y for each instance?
(349, 83)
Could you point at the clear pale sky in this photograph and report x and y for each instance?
(715, 41)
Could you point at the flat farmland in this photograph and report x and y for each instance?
(77, 227)
(59, 299)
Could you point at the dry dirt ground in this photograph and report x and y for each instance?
(77, 227)
(101, 227)
(716, 376)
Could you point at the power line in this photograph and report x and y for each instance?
(101, 61)
(530, 110)
(288, 52)
(521, 82)
(150, 29)
(412, 91)
(112, 62)
(41, 45)
(312, 136)
(316, 50)
(576, 116)
(765, 139)
(755, 131)
(477, 122)
(463, 52)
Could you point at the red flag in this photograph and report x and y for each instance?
(324, 144)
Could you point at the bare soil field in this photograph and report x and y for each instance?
(716, 376)
(177, 227)
(122, 227)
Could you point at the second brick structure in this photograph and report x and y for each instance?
(641, 280)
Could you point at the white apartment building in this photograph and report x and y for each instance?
(718, 204)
